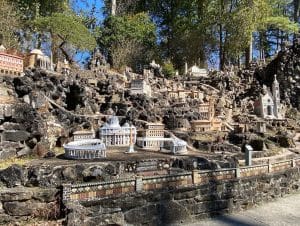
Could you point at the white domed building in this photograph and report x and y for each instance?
(114, 135)
(37, 59)
(85, 149)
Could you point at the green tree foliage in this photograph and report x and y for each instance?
(128, 40)
(28, 11)
(67, 29)
(192, 30)
(168, 69)
(183, 29)
(235, 22)
(9, 24)
(32, 9)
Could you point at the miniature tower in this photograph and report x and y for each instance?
(185, 68)
(131, 144)
(211, 109)
(276, 97)
(113, 7)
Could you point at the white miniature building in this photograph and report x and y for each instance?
(153, 137)
(261, 127)
(140, 86)
(83, 135)
(195, 71)
(112, 134)
(85, 149)
(37, 59)
(63, 67)
(176, 146)
(268, 105)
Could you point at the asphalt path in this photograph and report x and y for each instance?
(282, 212)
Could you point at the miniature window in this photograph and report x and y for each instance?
(269, 110)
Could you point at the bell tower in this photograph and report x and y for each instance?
(276, 97)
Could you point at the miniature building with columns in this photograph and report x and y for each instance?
(10, 64)
(195, 71)
(140, 86)
(175, 146)
(261, 127)
(37, 59)
(114, 135)
(85, 149)
(268, 105)
(152, 137)
(83, 135)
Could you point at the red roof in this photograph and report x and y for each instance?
(11, 55)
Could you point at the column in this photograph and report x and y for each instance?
(139, 184)
(195, 177)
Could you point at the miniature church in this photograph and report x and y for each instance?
(114, 135)
(268, 105)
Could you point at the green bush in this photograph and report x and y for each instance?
(168, 69)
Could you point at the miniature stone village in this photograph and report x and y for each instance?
(93, 134)
(211, 116)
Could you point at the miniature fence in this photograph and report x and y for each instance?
(97, 191)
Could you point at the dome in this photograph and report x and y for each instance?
(37, 52)
(113, 122)
(2, 48)
(126, 125)
(178, 142)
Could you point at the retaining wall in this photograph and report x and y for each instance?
(97, 191)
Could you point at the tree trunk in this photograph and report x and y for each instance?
(38, 41)
(296, 10)
(249, 53)
(54, 49)
(65, 53)
(296, 4)
(221, 54)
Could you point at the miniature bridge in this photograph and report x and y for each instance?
(96, 191)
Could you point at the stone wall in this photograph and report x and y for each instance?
(35, 193)
(162, 200)
(185, 204)
(21, 204)
(96, 191)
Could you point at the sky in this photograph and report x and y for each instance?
(87, 6)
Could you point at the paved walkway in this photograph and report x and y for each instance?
(283, 212)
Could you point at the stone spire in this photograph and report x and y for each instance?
(276, 97)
